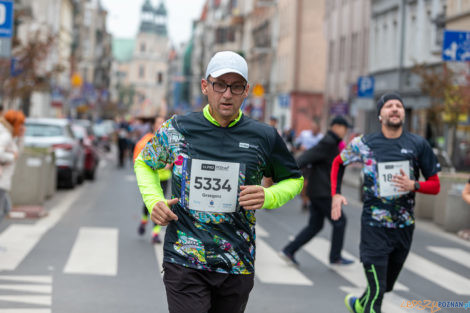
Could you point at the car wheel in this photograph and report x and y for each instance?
(92, 174)
(71, 180)
(80, 178)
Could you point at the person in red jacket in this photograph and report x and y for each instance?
(164, 174)
(392, 160)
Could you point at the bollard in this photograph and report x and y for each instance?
(29, 185)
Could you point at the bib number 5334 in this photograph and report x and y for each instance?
(215, 184)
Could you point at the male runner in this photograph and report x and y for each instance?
(220, 157)
(392, 159)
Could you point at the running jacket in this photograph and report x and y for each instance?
(377, 153)
(214, 241)
(320, 158)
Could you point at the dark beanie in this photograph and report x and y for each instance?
(388, 96)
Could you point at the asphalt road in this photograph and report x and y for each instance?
(86, 256)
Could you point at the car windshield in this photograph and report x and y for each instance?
(42, 130)
(79, 131)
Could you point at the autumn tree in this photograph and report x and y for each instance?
(449, 98)
(31, 71)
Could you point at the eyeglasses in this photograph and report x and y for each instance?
(236, 89)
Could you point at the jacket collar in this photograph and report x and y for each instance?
(211, 119)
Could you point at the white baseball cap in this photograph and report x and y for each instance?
(227, 62)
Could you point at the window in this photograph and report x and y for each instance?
(230, 34)
(365, 51)
(141, 71)
(354, 50)
(342, 53)
(331, 57)
(159, 78)
(142, 47)
(220, 35)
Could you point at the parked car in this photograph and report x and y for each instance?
(69, 153)
(91, 154)
(103, 136)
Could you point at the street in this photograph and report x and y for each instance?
(86, 256)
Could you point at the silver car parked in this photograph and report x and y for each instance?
(69, 153)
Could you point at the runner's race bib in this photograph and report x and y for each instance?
(386, 172)
(213, 186)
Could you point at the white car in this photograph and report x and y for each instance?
(69, 152)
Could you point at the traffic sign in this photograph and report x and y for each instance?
(456, 46)
(365, 87)
(6, 18)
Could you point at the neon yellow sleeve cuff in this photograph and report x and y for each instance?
(149, 183)
(279, 194)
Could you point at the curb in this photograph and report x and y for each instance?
(27, 211)
(464, 234)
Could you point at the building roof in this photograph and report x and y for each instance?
(123, 49)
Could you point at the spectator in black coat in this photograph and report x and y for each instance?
(320, 157)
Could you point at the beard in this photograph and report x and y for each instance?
(394, 125)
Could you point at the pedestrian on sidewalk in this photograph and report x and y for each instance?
(11, 130)
(220, 156)
(319, 159)
(164, 174)
(392, 160)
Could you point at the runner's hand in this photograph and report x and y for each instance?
(403, 182)
(161, 213)
(336, 203)
(251, 197)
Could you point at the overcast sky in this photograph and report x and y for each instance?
(124, 17)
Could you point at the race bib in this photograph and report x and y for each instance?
(213, 186)
(386, 172)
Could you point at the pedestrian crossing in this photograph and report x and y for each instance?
(95, 252)
(18, 240)
(33, 293)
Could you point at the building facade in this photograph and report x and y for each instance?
(144, 75)
(404, 34)
(48, 19)
(347, 35)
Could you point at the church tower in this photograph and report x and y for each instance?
(150, 60)
(161, 20)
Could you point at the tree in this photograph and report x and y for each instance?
(31, 72)
(449, 99)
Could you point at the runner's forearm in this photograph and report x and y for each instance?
(431, 186)
(149, 184)
(279, 194)
(336, 175)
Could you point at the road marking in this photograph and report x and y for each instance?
(454, 254)
(18, 240)
(438, 274)
(94, 252)
(354, 273)
(29, 279)
(25, 311)
(28, 288)
(158, 248)
(41, 300)
(271, 269)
